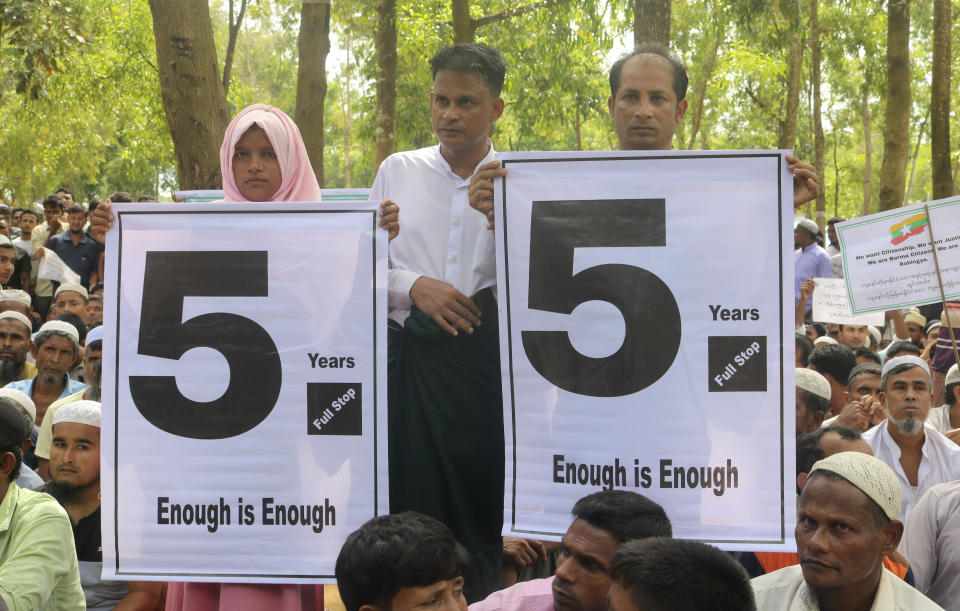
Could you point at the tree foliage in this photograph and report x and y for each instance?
(101, 125)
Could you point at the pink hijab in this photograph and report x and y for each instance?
(299, 183)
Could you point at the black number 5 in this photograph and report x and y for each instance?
(649, 309)
(255, 372)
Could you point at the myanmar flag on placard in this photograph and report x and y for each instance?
(913, 225)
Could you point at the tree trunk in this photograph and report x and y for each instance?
(313, 44)
(651, 21)
(836, 178)
(463, 27)
(347, 113)
(818, 140)
(386, 78)
(233, 28)
(190, 87)
(701, 99)
(577, 122)
(788, 123)
(916, 153)
(867, 152)
(943, 185)
(896, 129)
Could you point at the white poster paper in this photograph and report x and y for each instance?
(646, 308)
(244, 396)
(53, 268)
(888, 261)
(830, 304)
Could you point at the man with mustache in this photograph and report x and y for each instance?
(15, 332)
(93, 368)
(602, 521)
(55, 349)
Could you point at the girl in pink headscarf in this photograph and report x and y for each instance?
(263, 159)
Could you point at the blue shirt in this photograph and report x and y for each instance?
(82, 258)
(810, 262)
(26, 386)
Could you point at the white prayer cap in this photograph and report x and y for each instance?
(16, 295)
(71, 286)
(94, 335)
(62, 326)
(875, 334)
(5, 242)
(953, 375)
(81, 412)
(824, 340)
(22, 399)
(813, 382)
(868, 473)
(809, 225)
(907, 359)
(17, 316)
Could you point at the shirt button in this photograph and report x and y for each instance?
(457, 222)
(453, 259)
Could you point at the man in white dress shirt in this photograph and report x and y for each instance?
(846, 523)
(931, 541)
(446, 416)
(920, 456)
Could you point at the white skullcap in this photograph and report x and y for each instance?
(875, 334)
(17, 316)
(813, 382)
(5, 242)
(824, 340)
(62, 326)
(94, 335)
(70, 286)
(81, 412)
(16, 295)
(809, 225)
(953, 375)
(907, 359)
(22, 399)
(868, 473)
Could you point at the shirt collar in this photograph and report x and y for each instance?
(446, 165)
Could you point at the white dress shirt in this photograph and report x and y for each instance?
(931, 542)
(441, 236)
(940, 462)
(939, 418)
(785, 590)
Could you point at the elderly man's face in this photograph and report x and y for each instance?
(54, 357)
(907, 397)
(14, 341)
(838, 540)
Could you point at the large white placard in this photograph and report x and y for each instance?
(244, 396)
(888, 262)
(646, 307)
(831, 304)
